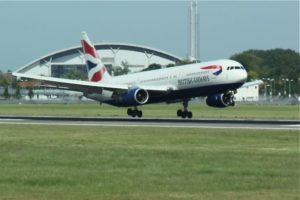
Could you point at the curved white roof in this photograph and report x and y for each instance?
(100, 46)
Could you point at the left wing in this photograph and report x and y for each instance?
(86, 86)
(75, 85)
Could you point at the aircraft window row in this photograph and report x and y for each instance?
(235, 67)
(155, 79)
(197, 73)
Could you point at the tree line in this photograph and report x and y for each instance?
(279, 67)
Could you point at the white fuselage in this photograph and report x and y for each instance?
(180, 78)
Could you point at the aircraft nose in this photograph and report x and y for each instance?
(244, 76)
(241, 76)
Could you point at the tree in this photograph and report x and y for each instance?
(30, 93)
(18, 93)
(170, 65)
(186, 62)
(153, 66)
(75, 75)
(121, 70)
(6, 93)
(118, 71)
(275, 64)
(4, 82)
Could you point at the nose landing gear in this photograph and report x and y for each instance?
(184, 113)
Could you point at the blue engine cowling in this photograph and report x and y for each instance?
(220, 100)
(133, 97)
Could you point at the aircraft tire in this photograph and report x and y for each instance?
(139, 113)
(179, 113)
(233, 103)
(189, 115)
(129, 111)
(183, 115)
(133, 114)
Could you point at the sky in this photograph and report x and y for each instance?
(32, 29)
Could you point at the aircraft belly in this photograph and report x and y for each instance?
(196, 92)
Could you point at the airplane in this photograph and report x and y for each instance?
(217, 80)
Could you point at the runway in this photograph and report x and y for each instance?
(155, 122)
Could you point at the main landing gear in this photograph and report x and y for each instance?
(184, 113)
(134, 112)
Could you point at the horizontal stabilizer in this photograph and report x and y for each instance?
(252, 83)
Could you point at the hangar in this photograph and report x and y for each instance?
(135, 57)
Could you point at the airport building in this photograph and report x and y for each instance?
(250, 93)
(135, 57)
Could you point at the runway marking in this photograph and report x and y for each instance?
(152, 125)
(294, 125)
(5, 120)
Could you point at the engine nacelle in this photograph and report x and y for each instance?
(133, 97)
(220, 100)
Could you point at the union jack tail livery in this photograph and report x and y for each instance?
(96, 69)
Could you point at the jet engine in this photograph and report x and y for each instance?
(220, 100)
(134, 97)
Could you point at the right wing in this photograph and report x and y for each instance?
(256, 82)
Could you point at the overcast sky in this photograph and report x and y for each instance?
(30, 30)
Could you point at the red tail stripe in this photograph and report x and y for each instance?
(88, 49)
(98, 75)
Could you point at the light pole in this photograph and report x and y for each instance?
(290, 87)
(273, 81)
(271, 86)
(284, 92)
(265, 86)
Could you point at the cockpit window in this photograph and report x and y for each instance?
(235, 67)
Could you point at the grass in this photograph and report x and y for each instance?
(120, 163)
(158, 110)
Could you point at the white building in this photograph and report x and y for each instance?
(250, 93)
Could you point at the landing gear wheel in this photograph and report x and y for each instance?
(139, 113)
(179, 113)
(189, 115)
(134, 112)
(183, 115)
(232, 103)
(129, 111)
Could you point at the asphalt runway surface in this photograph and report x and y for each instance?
(155, 122)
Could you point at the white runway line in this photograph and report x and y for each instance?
(152, 125)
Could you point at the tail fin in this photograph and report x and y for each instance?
(96, 70)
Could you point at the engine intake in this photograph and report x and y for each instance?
(133, 97)
(141, 96)
(220, 100)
